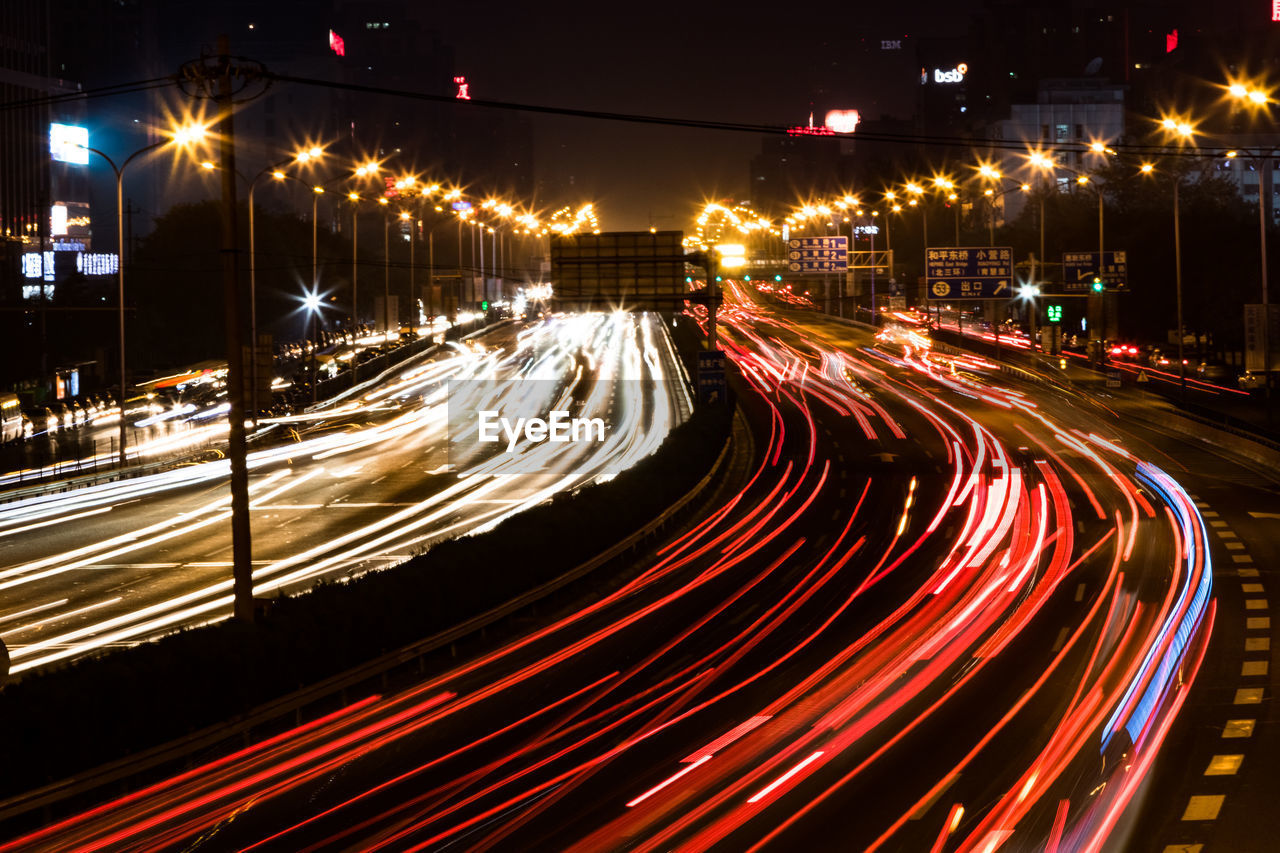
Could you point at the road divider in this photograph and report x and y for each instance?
(155, 705)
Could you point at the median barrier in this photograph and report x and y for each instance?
(326, 641)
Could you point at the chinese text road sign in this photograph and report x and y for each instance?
(711, 382)
(969, 273)
(1079, 268)
(818, 254)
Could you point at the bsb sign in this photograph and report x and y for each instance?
(950, 75)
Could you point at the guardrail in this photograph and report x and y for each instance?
(338, 685)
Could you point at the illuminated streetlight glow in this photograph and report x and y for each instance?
(189, 133)
(1040, 160)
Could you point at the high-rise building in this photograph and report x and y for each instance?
(41, 194)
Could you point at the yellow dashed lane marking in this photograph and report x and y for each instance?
(1203, 807)
(1224, 765)
(1239, 728)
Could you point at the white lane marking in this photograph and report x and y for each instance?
(1242, 558)
(1247, 573)
(1258, 623)
(1253, 668)
(1251, 587)
(1248, 696)
(1080, 592)
(1257, 644)
(1265, 514)
(1062, 638)
(1226, 534)
(1255, 604)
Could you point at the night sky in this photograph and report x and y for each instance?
(723, 62)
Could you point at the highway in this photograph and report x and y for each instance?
(933, 611)
(364, 483)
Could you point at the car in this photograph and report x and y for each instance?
(1123, 352)
(1250, 380)
(43, 419)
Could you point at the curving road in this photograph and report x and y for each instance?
(935, 612)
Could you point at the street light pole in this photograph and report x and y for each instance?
(119, 173)
(413, 302)
(355, 293)
(1263, 174)
(386, 278)
(1177, 261)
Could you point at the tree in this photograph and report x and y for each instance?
(175, 282)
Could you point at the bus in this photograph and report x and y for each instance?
(10, 418)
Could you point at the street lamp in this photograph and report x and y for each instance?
(183, 137)
(311, 302)
(386, 272)
(307, 155)
(1257, 97)
(354, 198)
(1181, 131)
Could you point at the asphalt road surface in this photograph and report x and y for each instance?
(940, 611)
(365, 483)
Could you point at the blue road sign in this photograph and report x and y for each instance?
(711, 382)
(1079, 268)
(984, 272)
(818, 254)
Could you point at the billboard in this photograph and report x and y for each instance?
(69, 144)
(618, 269)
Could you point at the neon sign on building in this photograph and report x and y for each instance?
(951, 75)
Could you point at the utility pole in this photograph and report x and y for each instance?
(222, 77)
(241, 531)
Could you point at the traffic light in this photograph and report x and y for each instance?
(718, 278)
(777, 278)
(1054, 313)
(1098, 284)
(484, 306)
(746, 278)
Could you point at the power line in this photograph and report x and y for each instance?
(746, 127)
(100, 92)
